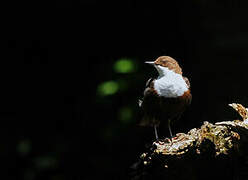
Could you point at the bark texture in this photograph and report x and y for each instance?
(213, 151)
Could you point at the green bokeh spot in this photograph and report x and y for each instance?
(125, 115)
(45, 162)
(24, 147)
(124, 66)
(108, 88)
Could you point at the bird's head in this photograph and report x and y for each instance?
(164, 63)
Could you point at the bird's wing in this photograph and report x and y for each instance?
(148, 83)
(148, 105)
(147, 88)
(187, 82)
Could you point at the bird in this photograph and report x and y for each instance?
(166, 97)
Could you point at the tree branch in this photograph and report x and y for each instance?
(201, 153)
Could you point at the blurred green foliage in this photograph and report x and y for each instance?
(45, 162)
(125, 115)
(107, 88)
(24, 147)
(123, 84)
(124, 65)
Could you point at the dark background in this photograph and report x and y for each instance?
(55, 121)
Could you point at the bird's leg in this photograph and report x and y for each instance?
(170, 128)
(156, 132)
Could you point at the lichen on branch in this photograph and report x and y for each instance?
(222, 139)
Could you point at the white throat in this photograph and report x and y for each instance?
(169, 83)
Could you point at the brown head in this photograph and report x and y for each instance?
(169, 62)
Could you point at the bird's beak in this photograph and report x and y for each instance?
(150, 62)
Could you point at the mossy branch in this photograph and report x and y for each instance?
(213, 147)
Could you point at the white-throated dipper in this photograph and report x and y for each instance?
(166, 97)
